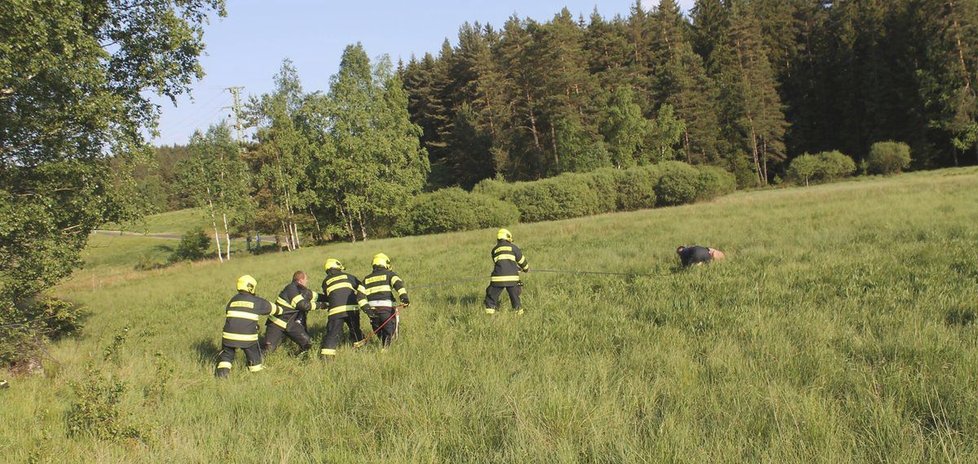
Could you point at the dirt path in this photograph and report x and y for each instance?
(164, 235)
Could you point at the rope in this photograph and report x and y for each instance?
(628, 274)
(546, 271)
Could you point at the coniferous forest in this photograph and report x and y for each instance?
(743, 84)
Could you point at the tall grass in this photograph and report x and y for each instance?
(840, 329)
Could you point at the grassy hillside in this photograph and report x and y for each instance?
(841, 329)
(172, 222)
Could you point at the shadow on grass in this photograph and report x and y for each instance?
(465, 300)
(207, 350)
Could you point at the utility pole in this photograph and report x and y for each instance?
(236, 108)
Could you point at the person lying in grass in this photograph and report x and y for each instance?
(696, 255)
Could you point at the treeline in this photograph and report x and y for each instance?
(743, 84)
(321, 166)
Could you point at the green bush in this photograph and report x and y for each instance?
(804, 168)
(97, 409)
(493, 187)
(825, 166)
(888, 158)
(193, 246)
(679, 184)
(605, 184)
(453, 209)
(836, 165)
(561, 197)
(714, 182)
(29, 323)
(636, 188)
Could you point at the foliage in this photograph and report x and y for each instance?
(96, 412)
(194, 245)
(636, 188)
(561, 197)
(27, 327)
(888, 158)
(453, 209)
(75, 78)
(370, 161)
(714, 182)
(678, 183)
(825, 166)
(217, 180)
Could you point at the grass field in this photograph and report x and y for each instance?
(173, 222)
(840, 329)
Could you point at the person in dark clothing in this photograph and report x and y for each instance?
(241, 327)
(295, 300)
(508, 261)
(345, 298)
(696, 255)
(380, 287)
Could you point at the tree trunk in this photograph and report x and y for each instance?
(553, 142)
(227, 237)
(753, 140)
(533, 120)
(319, 231)
(348, 222)
(295, 235)
(288, 235)
(217, 236)
(363, 226)
(689, 159)
(764, 160)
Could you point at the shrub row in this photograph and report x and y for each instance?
(453, 209)
(494, 203)
(608, 190)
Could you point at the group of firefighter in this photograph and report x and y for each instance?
(380, 295)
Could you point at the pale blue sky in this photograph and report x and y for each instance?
(247, 47)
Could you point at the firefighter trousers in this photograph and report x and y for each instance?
(493, 293)
(294, 330)
(226, 359)
(387, 332)
(334, 331)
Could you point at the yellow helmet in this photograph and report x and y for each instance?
(382, 260)
(504, 234)
(247, 283)
(333, 263)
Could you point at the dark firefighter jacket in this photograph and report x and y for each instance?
(380, 287)
(343, 293)
(509, 262)
(291, 300)
(241, 322)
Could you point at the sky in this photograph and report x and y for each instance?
(246, 48)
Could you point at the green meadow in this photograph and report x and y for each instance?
(841, 328)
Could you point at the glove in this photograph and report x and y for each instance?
(405, 302)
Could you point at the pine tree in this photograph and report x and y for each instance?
(681, 82)
(569, 113)
(751, 107)
(948, 45)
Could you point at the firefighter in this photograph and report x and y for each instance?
(345, 298)
(509, 261)
(295, 301)
(241, 326)
(380, 287)
(696, 255)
